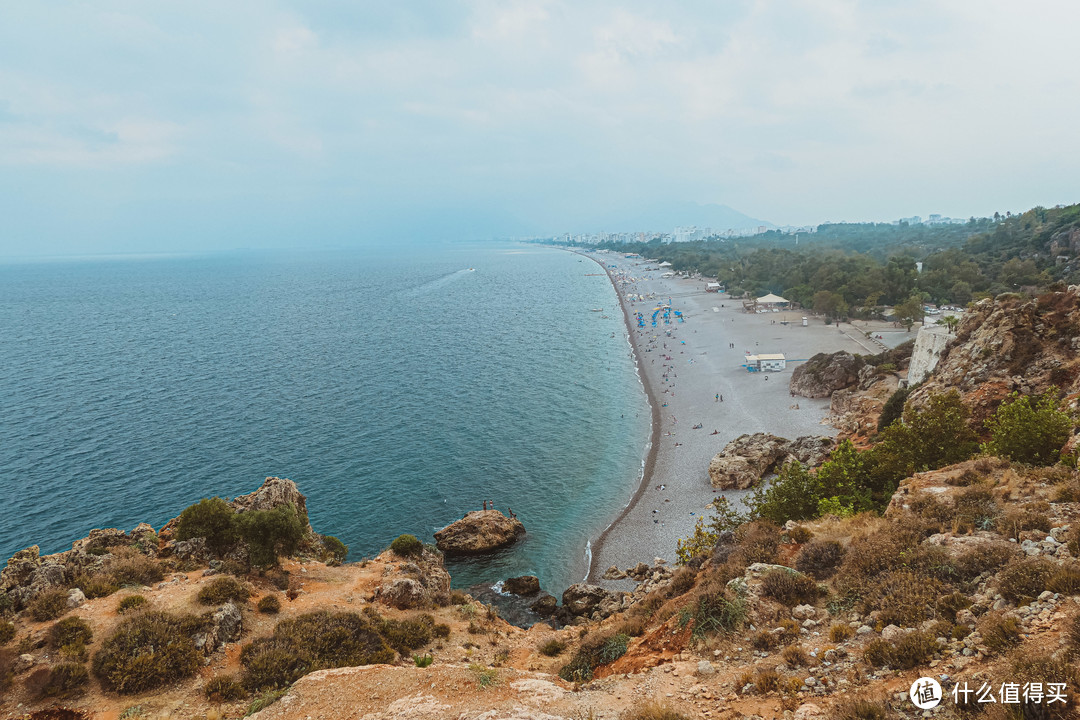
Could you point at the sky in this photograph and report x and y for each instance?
(149, 126)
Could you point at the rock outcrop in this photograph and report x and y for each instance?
(480, 531)
(747, 458)
(825, 373)
(273, 493)
(582, 600)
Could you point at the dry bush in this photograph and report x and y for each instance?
(820, 558)
(1072, 540)
(70, 631)
(269, 604)
(223, 688)
(634, 627)
(800, 534)
(985, 557)
(862, 708)
(757, 541)
(903, 597)
(1071, 633)
(999, 631)
(97, 585)
(764, 640)
(128, 566)
(7, 632)
(49, 604)
(913, 650)
(840, 632)
(795, 656)
(682, 581)
(1034, 665)
(552, 647)
(131, 602)
(1065, 580)
(789, 588)
(1015, 520)
(652, 711)
(937, 514)
(66, 680)
(222, 590)
(147, 651)
(948, 605)
(1022, 580)
(975, 509)
(597, 650)
(766, 681)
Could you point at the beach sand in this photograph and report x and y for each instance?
(676, 488)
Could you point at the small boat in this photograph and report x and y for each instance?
(598, 309)
(472, 269)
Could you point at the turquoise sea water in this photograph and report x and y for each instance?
(399, 389)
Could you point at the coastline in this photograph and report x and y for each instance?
(701, 360)
(649, 465)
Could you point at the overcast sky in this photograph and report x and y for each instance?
(190, 125)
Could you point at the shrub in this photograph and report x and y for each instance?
(97, 585)
(1072, 540)
(764, 640)
(789, 588)
(1014, 521)
(757, 541)
(212, 519)
(839, 632)
(485, 677)
(700, 544)
(766, 681)
(68, 679)
(800, 534)
(975, 509)
(1072, 634)
(269, 604)
(999, 631)
(335, 549)
(984, 558)
(310, 642)
(404, 635)
(792, 495)
(893, 408)
(147, 651)
(795, 656)
(948, 605)
(552, 647)
(131, 602)
(653, 711)
(860, 708)
(130, 567)
(902, 597)
(223, 688)
(270, 534)
(7, 632)
(820, 558)
(407, 546)
(265, 700)
(222, 590)
(1065, 580)
(423, 661)
(912, 650)
(70, 631)
(713, 611)
(1029, 429)
(1025, 579)
(593, 653)
(682, 581)
(49, 604)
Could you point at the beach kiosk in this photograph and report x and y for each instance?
(774, 362)
(713, 287)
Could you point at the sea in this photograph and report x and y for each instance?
(398, 387)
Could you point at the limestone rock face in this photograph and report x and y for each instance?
(524, 585)
(825, 373)
(584, 600)
(274, 492)
(226, 625)
(403, 593)
(744, 460)
(479, 531)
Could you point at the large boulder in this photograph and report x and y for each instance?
(273, 493)
(479, 531)
(826, 373)
(403, 593)
(584, 600)
(745, 459)
(523, 585)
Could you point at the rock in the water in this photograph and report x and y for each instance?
(523, 585)
(545, 605)
(479, 531)
(825, 373)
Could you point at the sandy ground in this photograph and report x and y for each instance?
(706, 355)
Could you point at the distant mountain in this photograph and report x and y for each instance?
(667, 216)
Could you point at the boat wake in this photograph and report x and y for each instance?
(439, 282)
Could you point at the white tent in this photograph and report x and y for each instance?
(771, 299)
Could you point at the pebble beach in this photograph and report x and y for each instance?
(693, 373)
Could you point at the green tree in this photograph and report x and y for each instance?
(1029, 429)
(270, 533)
(909, 312)
(940, 431)
(210, 518)
(793, 495)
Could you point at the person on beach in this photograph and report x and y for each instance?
(717, 398)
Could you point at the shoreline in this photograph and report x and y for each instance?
(649, 465)
(701, 398)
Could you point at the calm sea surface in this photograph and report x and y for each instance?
(398, 389)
